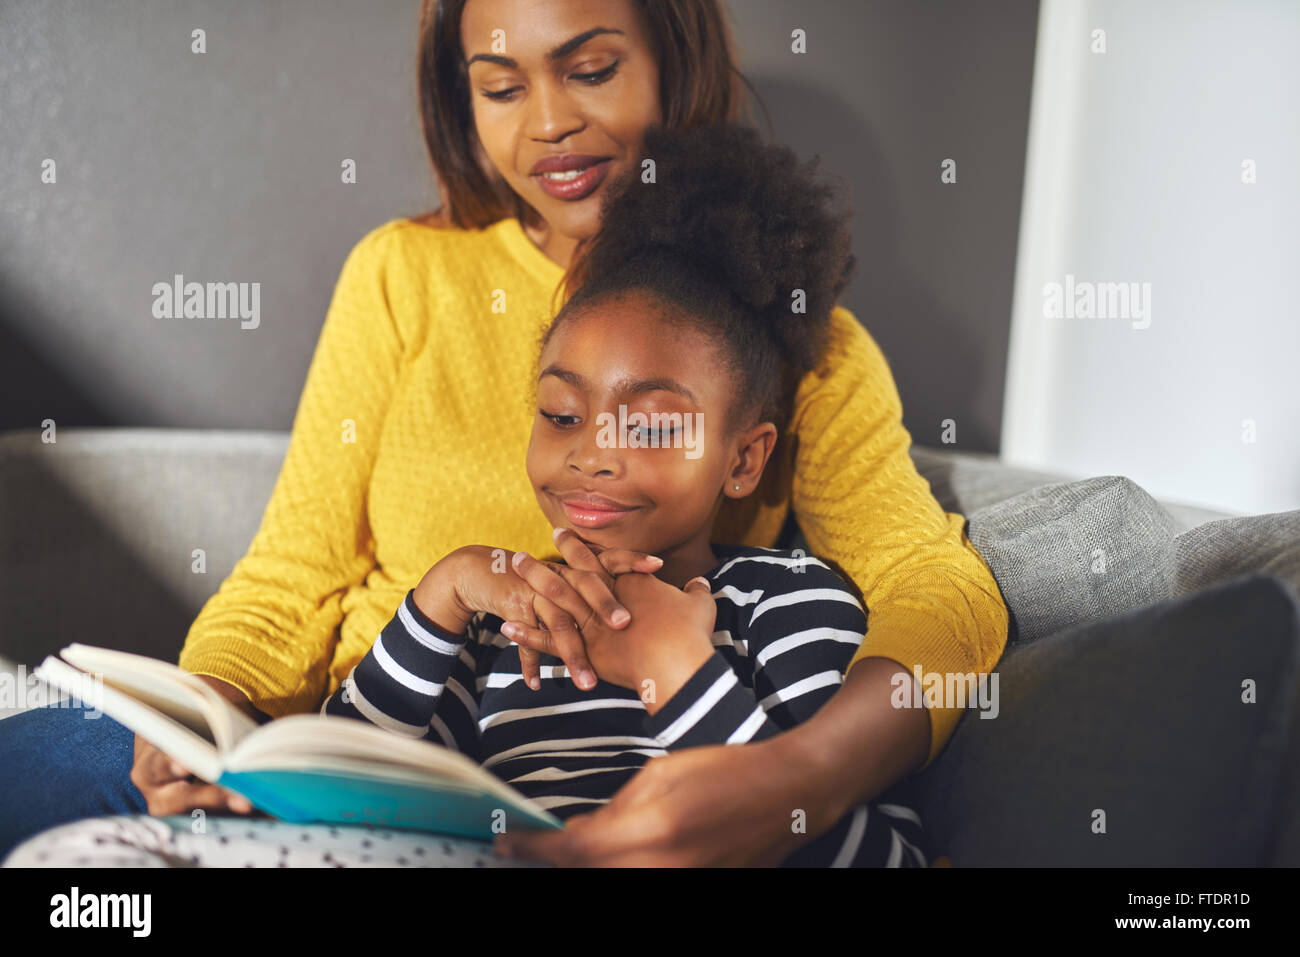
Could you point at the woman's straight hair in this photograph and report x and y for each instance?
(699, 84)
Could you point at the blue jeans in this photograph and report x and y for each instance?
(57, 765)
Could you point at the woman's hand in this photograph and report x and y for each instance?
(735, 803)
(169, 788)
(714, 806)
(540, 594)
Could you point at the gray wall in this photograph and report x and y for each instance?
(225, 167)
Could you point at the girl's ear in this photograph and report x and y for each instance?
(754, 448)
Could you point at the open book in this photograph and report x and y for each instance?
(303, 768)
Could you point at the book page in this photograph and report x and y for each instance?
(175, 739)
(168, 689)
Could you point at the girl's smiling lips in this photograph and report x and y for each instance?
(593, 511)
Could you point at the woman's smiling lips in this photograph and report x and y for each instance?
(572, 176)
(593, 511)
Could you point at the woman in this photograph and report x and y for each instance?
(414, 417)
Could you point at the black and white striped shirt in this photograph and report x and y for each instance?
(787, 627)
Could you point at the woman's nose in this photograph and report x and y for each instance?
(552, 114)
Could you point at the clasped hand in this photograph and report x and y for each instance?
(602, 613)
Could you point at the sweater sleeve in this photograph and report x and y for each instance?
(858, 498)
(271, 628)
(417, 680)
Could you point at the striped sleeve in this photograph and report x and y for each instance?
(417, 680)
(802, 630)
(870, 835)
(713, 707)
(804, 626)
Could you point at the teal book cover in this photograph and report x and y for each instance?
(314, 797)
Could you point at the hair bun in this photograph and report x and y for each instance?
(746, 215)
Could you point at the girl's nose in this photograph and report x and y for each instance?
(592, 454)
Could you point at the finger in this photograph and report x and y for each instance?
(555, 588)
(597, 591)
(620, 561)
(564, 641)
(567, 643)
(611, 561)
(160, 768)
(559, 638)
(181, 796)
(559, 848)
(700, 589)
(530, 662)
(699, 585)
(527, 637)
(593, 839)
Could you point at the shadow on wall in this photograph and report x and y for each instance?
(883, 294)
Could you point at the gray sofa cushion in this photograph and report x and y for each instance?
(963, 482)
(98, 532)
(1071, 552)
(1218, 551)
(1100, 717)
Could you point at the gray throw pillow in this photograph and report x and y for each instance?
(1224, 549)
(1143, 718)
(1071, 552)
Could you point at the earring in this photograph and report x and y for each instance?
(736, 487)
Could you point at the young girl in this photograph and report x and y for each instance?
(662, 387)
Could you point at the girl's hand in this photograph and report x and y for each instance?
(476, 578)
(669, 638)
(591, 571)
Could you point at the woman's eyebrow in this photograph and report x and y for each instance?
(623, 386)
(559, 53)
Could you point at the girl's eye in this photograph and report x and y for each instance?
(556, 419)
(599, 77)
(653, 435)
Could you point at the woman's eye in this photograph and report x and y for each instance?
(591, 79)
(500, 95)
(561, 421)
(600, 76)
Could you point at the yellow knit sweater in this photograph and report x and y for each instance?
(409, 442)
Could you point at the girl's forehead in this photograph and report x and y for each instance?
(621, 334)
(606, 351)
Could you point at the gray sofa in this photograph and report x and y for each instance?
(1148, 700)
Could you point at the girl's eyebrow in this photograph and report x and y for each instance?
(623, 386)
(559, 53)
